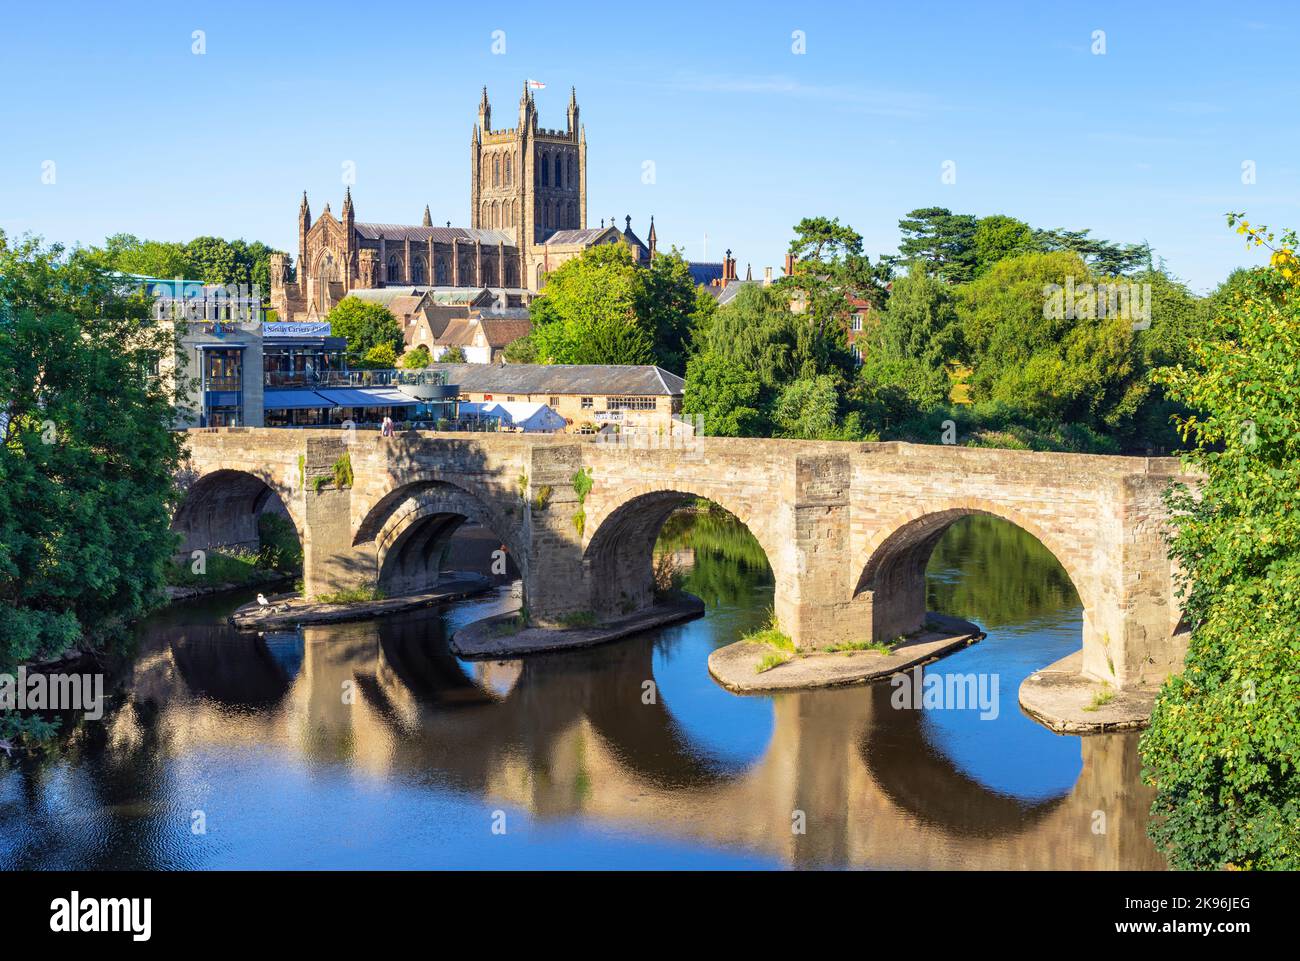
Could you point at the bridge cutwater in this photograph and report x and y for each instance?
(847, 527)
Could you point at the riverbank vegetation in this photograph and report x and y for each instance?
(87, 457)
(1223, 749)
(278, 556)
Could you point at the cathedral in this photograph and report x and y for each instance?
(528, 215)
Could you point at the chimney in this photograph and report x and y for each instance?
(767, 276)
(728, 267)
(789, 264)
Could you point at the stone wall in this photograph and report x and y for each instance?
(847, 528)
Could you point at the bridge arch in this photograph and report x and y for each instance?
(618, 559)
(221, 508)
(411, 525)
(892, 568)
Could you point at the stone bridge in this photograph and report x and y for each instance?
(847, 528)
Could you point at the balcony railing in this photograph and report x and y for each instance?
(356, 378)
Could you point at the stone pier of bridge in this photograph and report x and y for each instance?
(847, 528)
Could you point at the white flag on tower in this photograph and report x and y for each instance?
(536, 85)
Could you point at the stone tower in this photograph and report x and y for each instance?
(528, 181)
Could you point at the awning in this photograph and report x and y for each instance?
(293, 400)
(368, 397)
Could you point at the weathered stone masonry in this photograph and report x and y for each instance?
(847, 528)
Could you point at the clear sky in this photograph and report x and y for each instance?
(1144, 142)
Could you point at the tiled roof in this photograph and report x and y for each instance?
(587, 236)
(704, 273)
(384, 295)
(501, 331)
(606, 380)
(439, 235)
(459, 332)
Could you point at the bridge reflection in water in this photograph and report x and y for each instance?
(569, 739)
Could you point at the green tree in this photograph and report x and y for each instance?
(521, 351)
(748, 352)
(724, 394)
(417, 358)
(998, 237)
(211, 260)
(667, 305)
(809, 408)
(1223, 748)
(380, 357)
(87, 459)
(915, 339)
(366, 327)
(1101, 256)
(1041, 362)
(453, 355)
(829, 271)
(588, 312)
(150, 258)
(941, 241)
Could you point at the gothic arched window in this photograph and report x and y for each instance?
(489, 274)
(573, 215)
(440, 272)
(559, 170)
(546, 170)
(572, 182)
(508, 170)
(417, 271)
(392, 269)
(496, 171)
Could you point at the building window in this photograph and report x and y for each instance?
(856, 323)
(392, 269)
(553, 401)
(508, 170)
(223, 369)
(857, 352)
(546, 170)
(630, 403)
(496, 171)
(587, 403)
(510, 399)
(417, 271)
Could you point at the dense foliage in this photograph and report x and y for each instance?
(603, 308)
(1223, 749)
(417, 358)
(209, 260)
(86, 457)
(374, 335)
(982, 331)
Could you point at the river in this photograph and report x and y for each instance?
(369, 745)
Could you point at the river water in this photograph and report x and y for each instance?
(370, 746)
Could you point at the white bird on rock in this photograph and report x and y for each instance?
(262, 601)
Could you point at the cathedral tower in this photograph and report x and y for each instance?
(528, 181)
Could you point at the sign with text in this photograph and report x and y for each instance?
(282, 328)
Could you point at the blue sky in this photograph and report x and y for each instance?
(1144, 142)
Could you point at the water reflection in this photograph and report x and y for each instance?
(370, 745)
